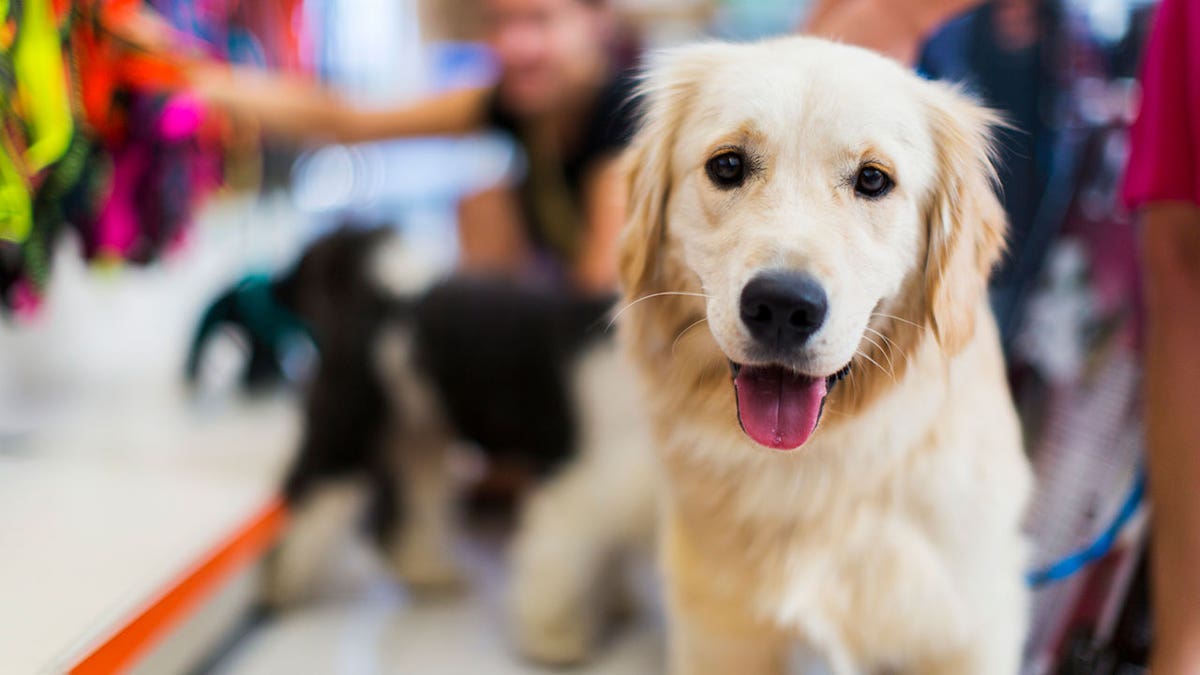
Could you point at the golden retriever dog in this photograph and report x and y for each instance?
(811, 232)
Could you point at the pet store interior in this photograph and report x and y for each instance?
(220, 224)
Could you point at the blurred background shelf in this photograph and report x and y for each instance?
(116, 484)
(116, 537)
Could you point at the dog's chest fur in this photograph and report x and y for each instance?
(849, 580)
(884, 525)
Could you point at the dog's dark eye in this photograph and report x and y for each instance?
(872, 182)
(727, 170)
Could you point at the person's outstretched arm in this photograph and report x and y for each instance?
(895, 28)
(297, 109)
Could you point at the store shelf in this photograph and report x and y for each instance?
(105, 553)
(138, 634)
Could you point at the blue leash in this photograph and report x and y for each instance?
(1100, 546)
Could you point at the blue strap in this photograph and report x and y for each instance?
(1100, 546)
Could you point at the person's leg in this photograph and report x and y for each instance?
(1171, 257)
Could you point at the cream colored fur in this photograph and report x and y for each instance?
(890, 541)
(578, 528)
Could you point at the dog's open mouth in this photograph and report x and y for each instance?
(778, 407)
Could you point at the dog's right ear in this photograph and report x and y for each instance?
(668, 85)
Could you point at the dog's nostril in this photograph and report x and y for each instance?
(783, 308)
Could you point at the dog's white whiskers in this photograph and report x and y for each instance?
(876, 363)
(892, 347)
(891, 343)
(897, 318)
(647, 297)
(886, 355)
(684, 331)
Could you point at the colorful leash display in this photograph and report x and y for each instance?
(42, 92)
(94, 133)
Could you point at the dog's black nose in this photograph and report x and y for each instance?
(783, 309)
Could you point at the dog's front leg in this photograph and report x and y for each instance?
(322, 520)
(560, 557)
(699, 647)
(712, 630)
(997, 644)
(422, 551)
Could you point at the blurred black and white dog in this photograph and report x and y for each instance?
(526, 375)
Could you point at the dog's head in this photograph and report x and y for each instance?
(830, 207)
(332, 286)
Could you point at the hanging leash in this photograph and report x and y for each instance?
(1100, 546)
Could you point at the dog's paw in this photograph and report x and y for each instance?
(554, 644)
(428, 575)
(284, 584)
(553, 632)
(434, 582)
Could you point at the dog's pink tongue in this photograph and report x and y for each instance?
(778, 408)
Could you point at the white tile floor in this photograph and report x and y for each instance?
(361, 623)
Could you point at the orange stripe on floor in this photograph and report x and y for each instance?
(184, 596)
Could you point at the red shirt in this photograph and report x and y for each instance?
(1165, 139)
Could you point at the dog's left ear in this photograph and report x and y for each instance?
(966, 225)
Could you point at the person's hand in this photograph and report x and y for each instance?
(146, 30)
(1179, 661)
(245, 88)
(875, 24)
(894, 28)
(210, 81)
